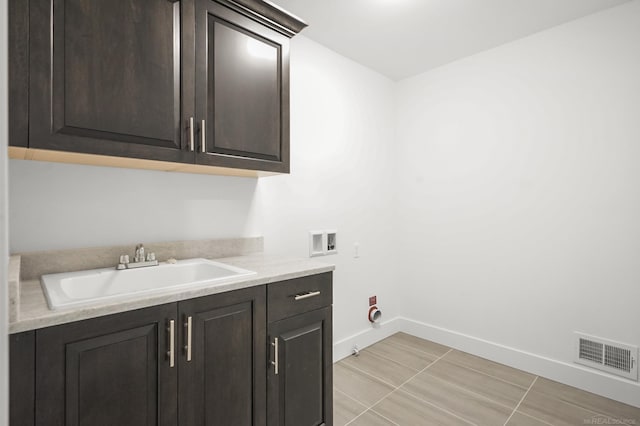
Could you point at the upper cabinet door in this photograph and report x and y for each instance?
(242, 88)
(105, 77)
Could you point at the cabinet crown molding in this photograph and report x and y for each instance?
(280, 20)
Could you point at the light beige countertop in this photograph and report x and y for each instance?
(33, 311)
(14, 287)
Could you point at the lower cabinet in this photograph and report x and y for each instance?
(300, 385)
(113, 370)
(200, 362)
(300, 377)
(223, 364)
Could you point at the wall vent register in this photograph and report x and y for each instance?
(606, 355)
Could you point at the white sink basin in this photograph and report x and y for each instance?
(86, 288)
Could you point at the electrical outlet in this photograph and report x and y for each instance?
(373, 300)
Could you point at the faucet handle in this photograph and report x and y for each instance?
(124, 261)
(151, 257)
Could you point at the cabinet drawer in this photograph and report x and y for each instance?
(293, 297)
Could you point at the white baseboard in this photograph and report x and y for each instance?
(574, 375)
(364, 338)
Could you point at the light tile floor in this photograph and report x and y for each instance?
(407, 381)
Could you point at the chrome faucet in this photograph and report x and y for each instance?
(139, 255)
(139, 259)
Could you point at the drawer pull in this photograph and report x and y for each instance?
(307, 295)
(275, 356)
(171, 351)
(187, 347)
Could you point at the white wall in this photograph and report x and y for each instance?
(519, 191)
(55, 205)
(341, 119)
(342, 148)
(4, 256)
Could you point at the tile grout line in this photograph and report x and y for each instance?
(411, 395)
(373, 376)
(576, 405)
(395, 388)
(438, 358)
(351, 398)
(581, 407)
(396, 361)
(447, 359)
(592, 410)
(470, 391)
(535, 418)
(386, 418)
(428, 402)
(437, 407)
(417, 350)
(386, 358)
(521, 399)
(459, 364)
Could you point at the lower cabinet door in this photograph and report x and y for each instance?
(113, 370)
(223, 362)
(300, 385)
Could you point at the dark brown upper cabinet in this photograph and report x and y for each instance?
(105, 77)
(187, 84)
(242, 89)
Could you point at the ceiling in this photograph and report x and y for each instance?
(402, 38)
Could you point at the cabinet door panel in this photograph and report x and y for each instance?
(301, 393)
(242, 91)
(107, 371)
(224, 383)
(105, 77)
(245, 93)
(115, 52)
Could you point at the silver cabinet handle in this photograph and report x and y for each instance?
(171, 351)
(203, 134)
(187, 347)
(275, 355)
(307, 295)
(191, 135)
